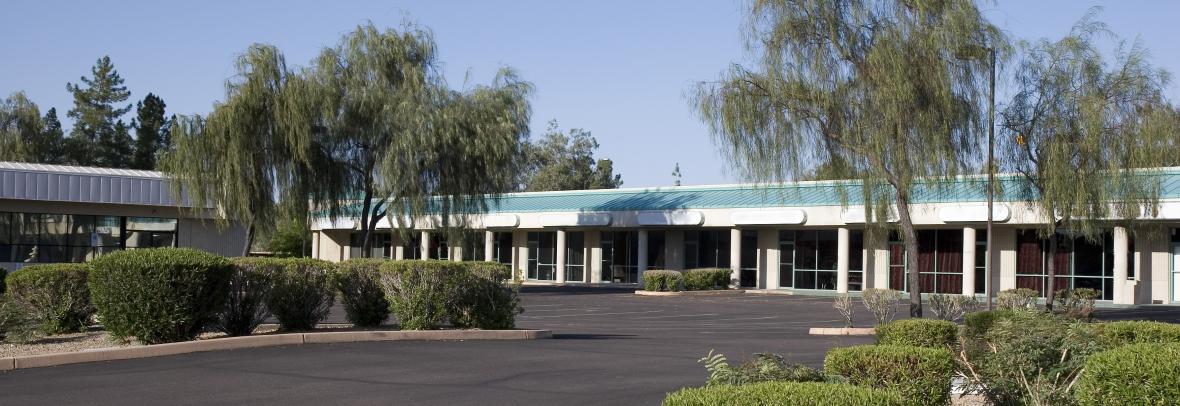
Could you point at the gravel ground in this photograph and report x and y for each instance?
(88, 340)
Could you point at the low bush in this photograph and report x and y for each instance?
(484, 299)
(359, 282)
(919, 333)
(1077, 303)
(16, 324)
(784, 393)
(158, 295)
(762, 367)
(54, 295)
(1029, 357)
(302, 292)
(707, 279)
(662, 281)
(1017, 299)
(420, 292)
(882, 303)
(951, 307)
(843, 305)
(1119, 333)
(922, 375)
(1136, 374)
(976, 324)
(250, 285)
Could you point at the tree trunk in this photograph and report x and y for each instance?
(1051, 270)
(911, 250)
(366, 235)
(249, 239)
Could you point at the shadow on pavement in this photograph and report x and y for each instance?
(593, 336)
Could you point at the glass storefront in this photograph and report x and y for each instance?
(940, 262)
(620, 259)
(47, 238)
(542, 261)
(575, 256)
(706, 249)
(808, 259)
(382, 245)
(1079, 263)
(502, 247)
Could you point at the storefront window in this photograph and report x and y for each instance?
(48, 238)
(619, 257)
(706, 249)
(542, 261)
(575, 256)
(1079, 263)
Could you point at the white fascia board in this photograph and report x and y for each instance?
(670, 218)
(969, 213)
(575, 220)
(769, 217)
(501, 221)
(856, 215)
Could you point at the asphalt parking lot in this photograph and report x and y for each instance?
(611, 347)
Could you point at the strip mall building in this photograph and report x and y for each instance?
(805, 237)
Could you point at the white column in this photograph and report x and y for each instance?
(735, 256)
(842, 260)
(594, 243)
(968, 261)
(315, 245)
(489, 246)
(456, 254)
(424, 239)
(1120, 267)
(399, 252)
(560, 256)
(641, 256)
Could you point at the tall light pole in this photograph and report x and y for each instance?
(991, 175)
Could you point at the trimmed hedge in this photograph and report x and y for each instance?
(249, 288)
(661, 280)
(922, 375)
(784, 393)
(55, 295)
(919, 333)
(484, 299)
(1135, 374)
(707, 279)
(359, 282)
(1125, 332)
(158, 295)
(301, 294)
(420, 291)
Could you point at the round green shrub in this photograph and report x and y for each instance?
(1119, 333)
(484, 299)
(359, 282)
(784, 393)
(302, 292)
(919, 333)
(707, 279)
(55, 295)
(158, 295)
(1135, 374)
(661, 281)
(249, 288)
(420, 292)
(922, 375)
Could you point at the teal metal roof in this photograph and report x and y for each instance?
(822, 193)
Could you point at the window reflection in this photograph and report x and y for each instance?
(47, 238)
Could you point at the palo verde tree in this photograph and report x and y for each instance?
(880, 84)
(1086, 135)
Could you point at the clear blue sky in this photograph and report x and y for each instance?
(618, 68)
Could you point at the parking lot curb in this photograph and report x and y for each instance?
(269, 340)
(718, 292)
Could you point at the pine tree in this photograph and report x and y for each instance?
(149, 125)
(96, 110)
(51, 148)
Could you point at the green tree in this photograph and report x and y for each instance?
(98, 106)
(149, 125)
(239, 156)
(51, 149)
(20, 128)
(291, 238)
(369, 130)
(879, 84)
(566, 162)
(1083, 133)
